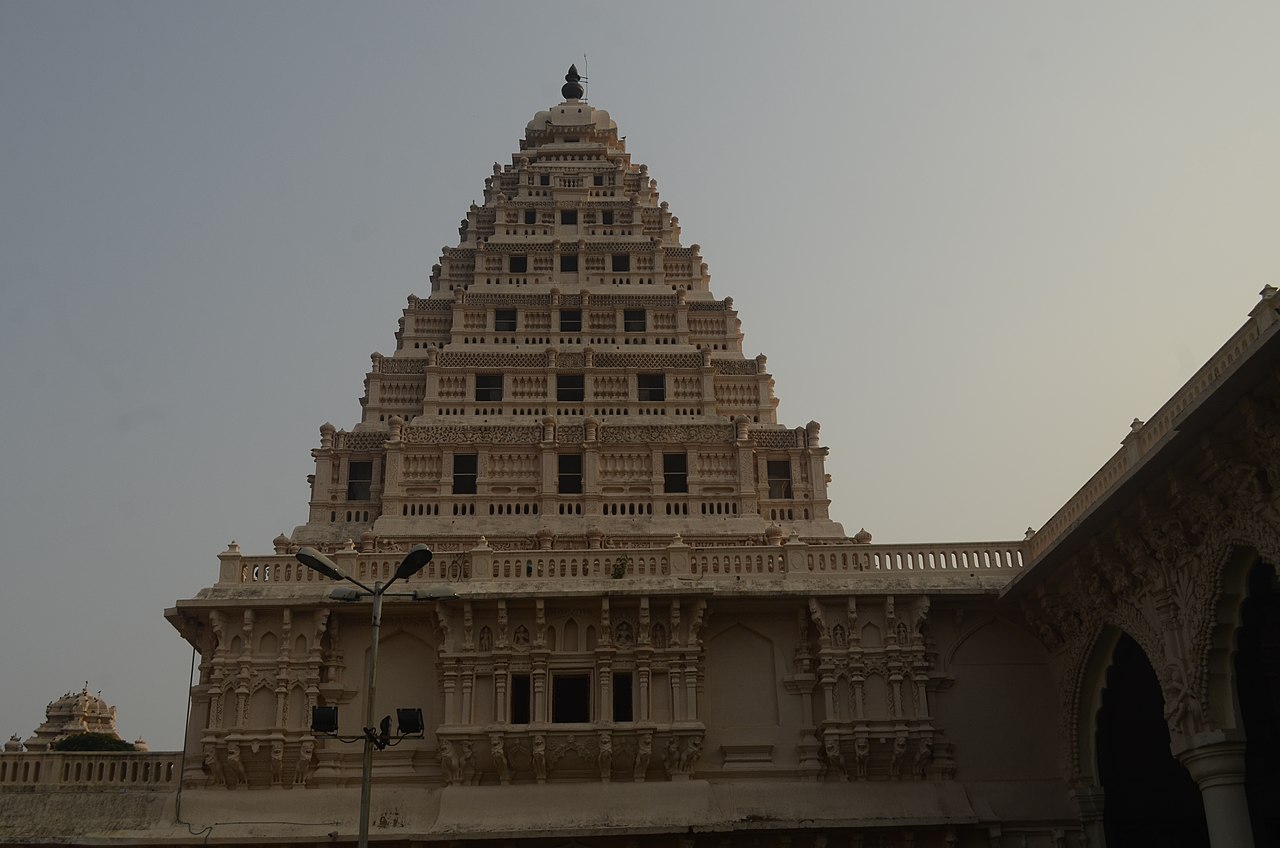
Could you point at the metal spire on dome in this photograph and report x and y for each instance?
(572, 88)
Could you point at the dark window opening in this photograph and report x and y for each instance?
(520, 264)
(779, 473)
(531, 216)
(622, 262)
(544, 179)
(568, 216)
(606, 217)
(568, 262)
(571, 320)
(651, 387)
(488, 387)
(504, 321)
(598, 179)
(570, 698)
(521, 699)
(464, 473)
(570, 473)
(622, 700)
(675, 473)
(633, 320)
(570, 387)
(359, 481)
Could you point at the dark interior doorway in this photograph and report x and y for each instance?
(1150, 797)
(1258, 688)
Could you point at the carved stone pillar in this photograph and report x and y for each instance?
(1091, 801)
(1216, 764)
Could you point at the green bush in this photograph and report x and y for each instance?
(92, 742)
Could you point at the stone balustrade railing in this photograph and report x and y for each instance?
(1146, 438)
(135, 770)
(793, 557)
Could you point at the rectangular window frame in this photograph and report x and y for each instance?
(569, 217)
(624, 699)
(634, 320)
(521, 704)
(518, 263)
(571, 320)
(651, 388)
(569, 263)
(504, 321)
(571, 388)
(779, 485)
(569, 690)
(569, 473)
(466, 468)
(360, 480)
(675, 473)
(489, 388)
(622, 263)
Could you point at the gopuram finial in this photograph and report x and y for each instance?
(572, 88)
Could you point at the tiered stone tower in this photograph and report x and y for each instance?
(571, 382)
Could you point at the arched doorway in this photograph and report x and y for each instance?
(1257, 670)
(1150, 797)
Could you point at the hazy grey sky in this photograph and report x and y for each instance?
(975, 240)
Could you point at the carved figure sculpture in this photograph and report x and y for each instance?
(277, 763)
(692, 753)
(468, 764)
(213, 765)
(835, 759)
(306, 753)
(539, 757)
(644, 752)
(899, 755)
(486, 640)
(236, 766)
(499, 756)
(449, 762)
(671, 758)
(924, 756)
(604, 759)
(861, 754)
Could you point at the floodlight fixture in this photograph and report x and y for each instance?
(441, 592)
(409, 721)
(324, 720)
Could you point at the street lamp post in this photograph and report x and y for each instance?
(413, 562)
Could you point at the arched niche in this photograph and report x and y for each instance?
(742, 683)
(1001, 710)
(406, 676)
(262, 707)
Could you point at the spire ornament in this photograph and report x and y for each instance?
(572, 88)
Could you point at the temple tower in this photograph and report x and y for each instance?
(571, 376)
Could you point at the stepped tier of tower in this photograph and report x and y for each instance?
(570, 378)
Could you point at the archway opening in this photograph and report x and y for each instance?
(1150, 797)
(1257, 668)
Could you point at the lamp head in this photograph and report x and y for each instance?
(317, 561)
(413, 562)
(435, 593)
(346, 593)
